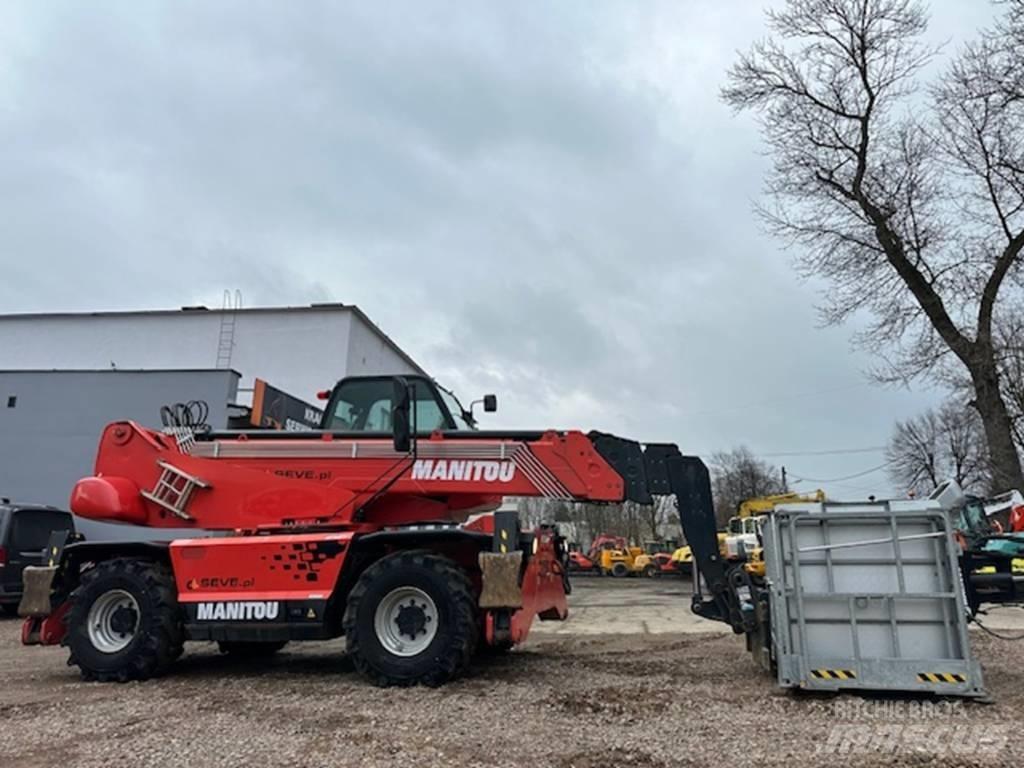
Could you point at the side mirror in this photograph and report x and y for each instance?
(401, 429)
(490, 403)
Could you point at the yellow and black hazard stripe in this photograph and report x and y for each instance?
(941, 677)
(834, 674)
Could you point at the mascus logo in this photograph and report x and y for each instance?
(463, 471)
(219, 582)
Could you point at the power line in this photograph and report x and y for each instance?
(826, 452)
(818, 452)
(847, 477)
(865, 489)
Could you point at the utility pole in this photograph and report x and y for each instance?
(785, 488)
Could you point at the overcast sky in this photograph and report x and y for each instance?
(544, 200)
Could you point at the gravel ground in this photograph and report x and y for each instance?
(634, 701)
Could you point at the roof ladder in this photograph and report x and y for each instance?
(226, 338)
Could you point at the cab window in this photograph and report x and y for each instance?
(365, 406)
(454, 408)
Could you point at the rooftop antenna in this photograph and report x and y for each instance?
(226, 338)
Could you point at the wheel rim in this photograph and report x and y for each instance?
(406, 621)
(113, 621)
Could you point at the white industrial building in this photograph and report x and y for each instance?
(298, 349)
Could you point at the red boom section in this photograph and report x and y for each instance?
(146, 478)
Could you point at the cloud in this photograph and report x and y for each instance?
(543, 199)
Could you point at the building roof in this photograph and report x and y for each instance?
(197, 309)
(120, 370)
(181, 310)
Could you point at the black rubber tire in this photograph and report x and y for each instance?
(619, 570)
(452, 648)
(244, 649)
(160, 636)
(650, 571)
(10, 609)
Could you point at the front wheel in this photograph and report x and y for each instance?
(411, 619)
(124, 623)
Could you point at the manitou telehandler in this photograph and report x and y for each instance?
(368, 528)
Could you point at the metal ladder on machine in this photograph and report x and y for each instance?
(174, 489)
(226, 337)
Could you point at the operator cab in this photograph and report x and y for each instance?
(367, 404)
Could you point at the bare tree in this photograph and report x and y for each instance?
(912, 208)
(940, 444)
(738, 475)
(1011, 366)
(1008, 335)
(636, 522)
(661, 519)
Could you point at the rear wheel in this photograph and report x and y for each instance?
(124, 623)
(249, 649)
(650, 571)
(411, 619)
(620, 569)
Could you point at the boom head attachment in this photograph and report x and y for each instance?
(659, 469)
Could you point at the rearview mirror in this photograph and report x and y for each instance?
(490, 403)
(401, 431)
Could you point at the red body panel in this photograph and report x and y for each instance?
(288, 567)
(115, 499)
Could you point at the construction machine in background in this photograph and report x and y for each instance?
(742, 533)
(656, 559)
(370, 528)
(658, 564)
(608, 556)
(591, 561)
(580, 563)
(620, 561)
(990, 532)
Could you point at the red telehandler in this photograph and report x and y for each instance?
(359, 529)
